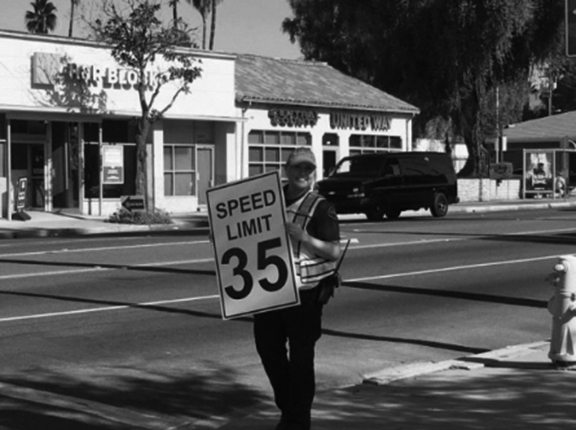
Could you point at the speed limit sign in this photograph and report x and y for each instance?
(253, 259)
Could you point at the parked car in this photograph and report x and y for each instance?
(390, 183)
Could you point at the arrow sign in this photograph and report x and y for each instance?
(133, 203)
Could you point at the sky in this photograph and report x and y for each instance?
(243, 26)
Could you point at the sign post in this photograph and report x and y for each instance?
(253, 259)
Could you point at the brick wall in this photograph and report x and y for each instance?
(485, 190)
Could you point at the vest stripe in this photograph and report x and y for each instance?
(310, 269)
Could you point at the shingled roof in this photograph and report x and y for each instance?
(549, 128)
(307, 83)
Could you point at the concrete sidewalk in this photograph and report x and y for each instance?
(512, 388)
(46, 224)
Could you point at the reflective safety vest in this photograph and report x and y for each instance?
(310, 268)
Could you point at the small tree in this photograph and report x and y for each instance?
(137, 41)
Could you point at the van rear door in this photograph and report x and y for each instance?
(419, 181)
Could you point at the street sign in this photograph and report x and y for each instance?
(253, 259)
(571, 28)
(133, 203)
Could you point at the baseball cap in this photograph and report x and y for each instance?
(301, 155)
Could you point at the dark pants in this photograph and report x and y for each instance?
(291, 370)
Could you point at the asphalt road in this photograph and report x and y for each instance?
(136, 321)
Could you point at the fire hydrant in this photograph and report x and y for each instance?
(562, 306)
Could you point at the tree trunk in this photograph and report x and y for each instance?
(175, 14)
(213, 25)
(141, 180)
(203, 31)
(72, 11)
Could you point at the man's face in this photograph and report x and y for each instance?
(301, 175)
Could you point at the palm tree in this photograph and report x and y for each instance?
(174, 5)
(42, 19)
(214, 5)
(203, 7)
(73, 4)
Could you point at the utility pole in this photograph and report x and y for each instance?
(571, 28)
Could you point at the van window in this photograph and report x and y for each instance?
(416, 167)
(392, 168)
(363, 167)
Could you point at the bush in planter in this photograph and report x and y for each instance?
(123, 216)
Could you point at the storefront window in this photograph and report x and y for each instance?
(269, 150)
(179, 170)
(92, 173)
(114, 132)
(365, 144)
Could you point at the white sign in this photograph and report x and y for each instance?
(253, 259)
(113, 164)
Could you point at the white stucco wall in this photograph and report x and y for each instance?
(28, 64)
(257, 119)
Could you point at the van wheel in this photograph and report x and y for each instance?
(375, 214)
(440, 206)
(393, 213)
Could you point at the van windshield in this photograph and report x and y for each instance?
(361, 167)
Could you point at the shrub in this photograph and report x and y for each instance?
(123, 216)
(501, 170)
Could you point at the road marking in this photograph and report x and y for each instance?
(211, 297)
(105, 248)
(98, 268)
(454, 268)
(455, 239)
(107, 309)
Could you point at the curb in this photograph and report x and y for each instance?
(514, 207)
(470, 362)
(111, 229)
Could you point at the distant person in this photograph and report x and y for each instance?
(286, 338)
(539, 171)
(560, 186)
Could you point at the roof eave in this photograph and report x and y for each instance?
(316, 104)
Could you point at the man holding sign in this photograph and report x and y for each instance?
(313, 229)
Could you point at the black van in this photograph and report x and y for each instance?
(389, 183)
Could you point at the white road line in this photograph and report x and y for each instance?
(97, 268)
(193, 299)
(106, 248)
(454, 268)
(107, 309)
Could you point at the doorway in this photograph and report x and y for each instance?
(204, 171)
(330, 146)
(65, 165)
(27, 161)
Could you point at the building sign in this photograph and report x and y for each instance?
(293, 117)
(105, 76)
(47, 67)
(359, 121)
(253, 259)
(113, 164)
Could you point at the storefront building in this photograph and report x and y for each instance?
(287, 103)
(65, 104)
(67, 124)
